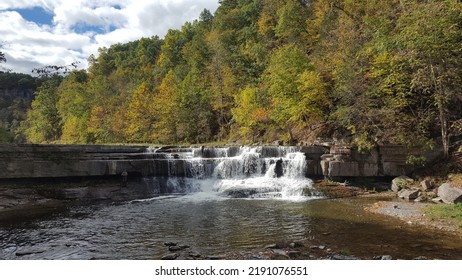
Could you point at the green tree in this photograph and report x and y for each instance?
(196, 122)
(166, 109)
(283, 80)
(431, 32)
(74, 105)
(291, 22)
(44, 124)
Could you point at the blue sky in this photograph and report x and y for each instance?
(36, 14)
(35, 33)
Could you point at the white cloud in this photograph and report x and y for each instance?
(28, 45)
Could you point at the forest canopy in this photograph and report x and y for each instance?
(369, 71)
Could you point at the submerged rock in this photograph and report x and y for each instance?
(170, 256)
(342, 257)
(294, 254)
(175, 248)
(194, 254)
(215, 257)
(29, 252)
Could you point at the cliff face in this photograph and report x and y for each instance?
(16, 93)
(50, 161)
(54, 161)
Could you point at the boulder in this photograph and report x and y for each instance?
(409, 194)
(426, 185)
(279, 169)
(401, 182)
(450, 194)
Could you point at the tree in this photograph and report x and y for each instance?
(166, 104)
(291, 27)
(431, 33)
(2, 55)
(251, 113)
(74, 105)
(140, 115)
(44, 124)
(283, 80)
(196, 123)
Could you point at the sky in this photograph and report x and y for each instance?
(36, 33)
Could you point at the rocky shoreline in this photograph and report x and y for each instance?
(413, 213)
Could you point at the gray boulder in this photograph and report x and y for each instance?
(450, 194)
(426, 185)
(400, 183)
(409, 194)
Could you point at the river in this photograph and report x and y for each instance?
(245, 201)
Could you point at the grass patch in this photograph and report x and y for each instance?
(450, 213)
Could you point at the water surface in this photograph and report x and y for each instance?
(138, 229)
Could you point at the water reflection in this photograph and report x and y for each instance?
(138, 230)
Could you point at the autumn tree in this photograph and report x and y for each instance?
(431, 34)
(44, 124)
(74, 105)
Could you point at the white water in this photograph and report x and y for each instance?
(245, 172)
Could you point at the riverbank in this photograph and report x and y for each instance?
(412, 213)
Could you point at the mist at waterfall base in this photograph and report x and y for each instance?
(236, 172)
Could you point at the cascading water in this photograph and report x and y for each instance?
(237, 172)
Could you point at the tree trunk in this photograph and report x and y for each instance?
(444, 131)
(440, 102)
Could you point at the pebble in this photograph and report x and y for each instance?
(279, 252)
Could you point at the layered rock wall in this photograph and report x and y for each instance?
(47, 161)
(52, 161)
(387, 160)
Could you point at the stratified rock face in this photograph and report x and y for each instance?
(387, 160)
(450, 194)
(51, 161)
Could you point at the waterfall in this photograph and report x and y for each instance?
(237, 172)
